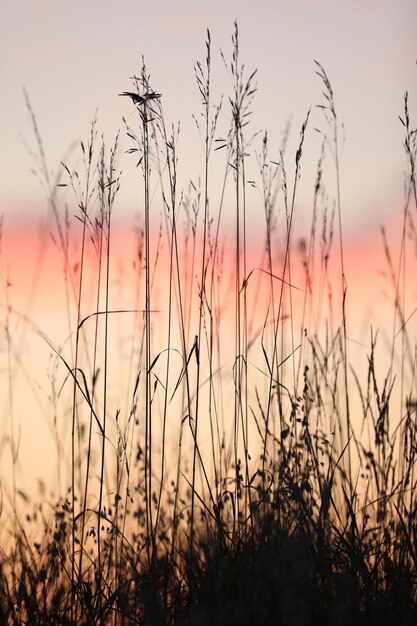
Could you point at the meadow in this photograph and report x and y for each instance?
(221, 457)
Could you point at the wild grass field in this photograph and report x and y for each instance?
(222, 457)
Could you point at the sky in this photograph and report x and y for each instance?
(73, 58)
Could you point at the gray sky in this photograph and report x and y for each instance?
(74, 56)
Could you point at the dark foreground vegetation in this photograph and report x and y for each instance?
(273, 487)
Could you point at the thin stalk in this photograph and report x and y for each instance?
(333, 122)
(204, 87)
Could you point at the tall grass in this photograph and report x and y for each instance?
(219, 481)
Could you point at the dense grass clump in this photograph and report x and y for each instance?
(233, 467)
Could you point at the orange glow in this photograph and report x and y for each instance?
(42, 308)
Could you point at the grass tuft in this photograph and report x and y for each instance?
(228, 463)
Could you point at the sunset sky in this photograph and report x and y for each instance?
(73, 58)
